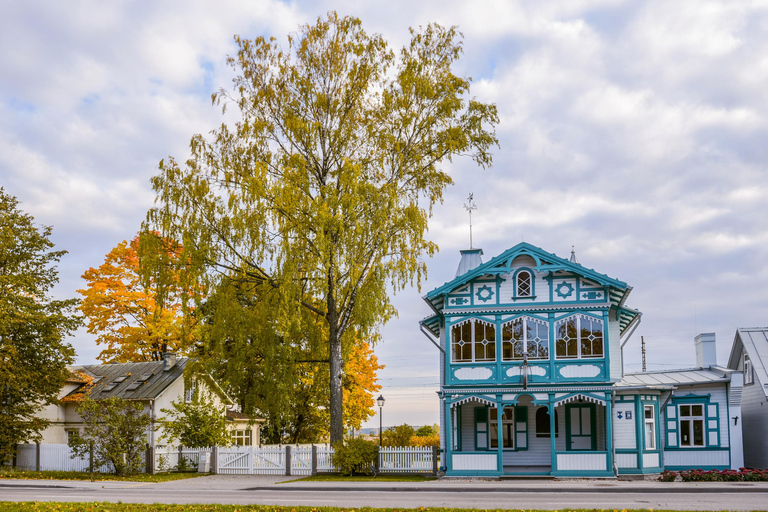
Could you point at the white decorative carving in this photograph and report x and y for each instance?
(516, 371)
(579, 370)
(473, 373)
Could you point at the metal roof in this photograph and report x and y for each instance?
(678, 377)
(149, 389)
(755, 342)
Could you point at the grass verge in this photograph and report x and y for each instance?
(79, 475)
(363, 478)
(140, 507)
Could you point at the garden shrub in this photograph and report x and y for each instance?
(667, 476)
(355, 456)
(715, 475)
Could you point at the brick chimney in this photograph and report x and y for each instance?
(706, 355)
(169, 361)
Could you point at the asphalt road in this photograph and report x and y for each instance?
(554, 495)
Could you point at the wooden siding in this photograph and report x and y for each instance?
(539, 451)
(467, 428)
(754, 410)
(717, 395)
(651, 460)
(474, 461)
(626, 460)
(695, 458)
(581, 461)
(614, 349)
(624, 430)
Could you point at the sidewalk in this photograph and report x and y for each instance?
(277, 483)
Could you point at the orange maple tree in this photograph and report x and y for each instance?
(137, 317)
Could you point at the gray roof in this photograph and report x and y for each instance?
(755, 342)
(678, 377)
(157, 382)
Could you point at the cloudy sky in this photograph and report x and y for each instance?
(636, 131)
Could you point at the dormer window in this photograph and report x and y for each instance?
(748, 376)
(524, 288)
(524, 284)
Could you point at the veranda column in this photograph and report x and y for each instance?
(609, 430)
(448, 409)
(552, 429)
(499, 435)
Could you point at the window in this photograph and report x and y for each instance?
(542, 423)
(473, 340)
(748, 375)
(525, 335)
(514, 428)
(189, 392)
(692, 425)
(507, 427)
(524, 284)
(650, 428)
(71, 435)
(579, 336)
(241, 437)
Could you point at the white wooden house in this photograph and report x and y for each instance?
(531, 377)
(154, 384)
(749, 357)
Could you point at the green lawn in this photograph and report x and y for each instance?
(79, 475)
(140, 507)
(364, 478)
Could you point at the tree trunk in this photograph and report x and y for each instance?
(337, 409)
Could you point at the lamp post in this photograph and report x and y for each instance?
(380, 402)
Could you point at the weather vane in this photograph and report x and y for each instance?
(469, 207)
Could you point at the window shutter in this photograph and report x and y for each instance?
(671, 426)
(521, 427)
(713, 425)
(481, 428)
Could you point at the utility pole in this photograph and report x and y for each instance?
(642, 349)
(470, 206)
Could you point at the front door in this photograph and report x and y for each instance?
(580, 434)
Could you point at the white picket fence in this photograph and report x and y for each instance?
(235, 460)
(53, 457)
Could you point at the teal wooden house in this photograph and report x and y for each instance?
(532, 382)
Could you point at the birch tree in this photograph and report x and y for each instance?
(322, 188)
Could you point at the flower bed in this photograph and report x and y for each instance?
(715, 475)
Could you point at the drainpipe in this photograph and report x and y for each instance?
(613, 435)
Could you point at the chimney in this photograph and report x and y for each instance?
(706, 355)
(169, 361)
(470, 259)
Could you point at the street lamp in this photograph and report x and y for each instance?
(380, 402)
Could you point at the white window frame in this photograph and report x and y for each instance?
(525, 320)
(517, 284)
(579, 318)
(692, 419)
(473, 359)
(749, 375)
(189, 392)
(242, 435)
(650, 441)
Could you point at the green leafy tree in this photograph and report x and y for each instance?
(115, 430)
(33, 354)
(428, 430)
(399, 435)
(196, 424)
(323, 188)
(280, 375)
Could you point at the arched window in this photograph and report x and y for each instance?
(525, 335)
(524, 284)
(579, 336)
(542, 423)
(473, 340)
